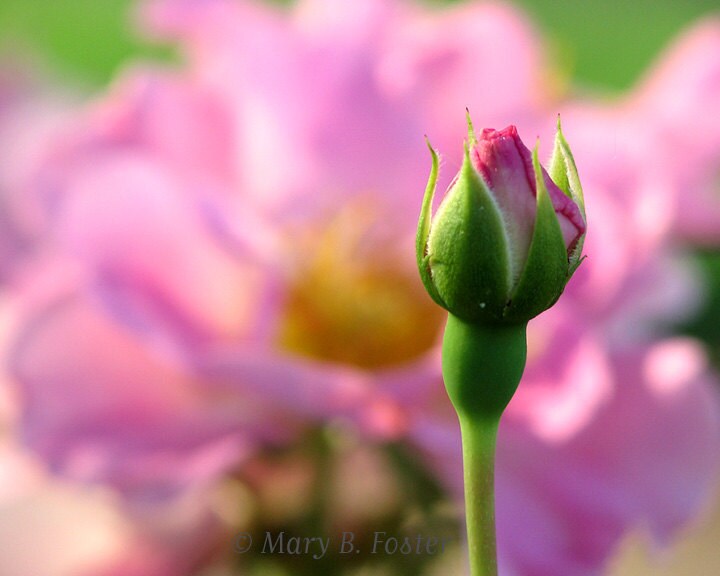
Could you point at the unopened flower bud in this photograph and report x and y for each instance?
(508, 236)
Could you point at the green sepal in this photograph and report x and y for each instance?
(468, 248)
(546, 269)
(471, 139)
(423, 231)
(563, 172)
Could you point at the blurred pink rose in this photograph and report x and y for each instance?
(679, 99)
(662, 138)
(131, 279)
(227, 258)
(52, 527)
(31, 113)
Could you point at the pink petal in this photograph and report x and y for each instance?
(136, 419)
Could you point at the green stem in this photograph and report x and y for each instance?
(478, 439)
(321, 452)
(482, 365)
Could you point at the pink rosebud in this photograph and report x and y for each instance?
(507, 237)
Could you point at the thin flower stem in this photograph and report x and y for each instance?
(478, 439)
(482, 367)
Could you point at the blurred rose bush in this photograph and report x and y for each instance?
(210, 259)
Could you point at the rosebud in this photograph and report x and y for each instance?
(507, 237)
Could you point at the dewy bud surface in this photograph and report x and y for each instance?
(506, 237)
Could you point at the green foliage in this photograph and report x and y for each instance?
(609, 44)
(84, 39)
(705, 325)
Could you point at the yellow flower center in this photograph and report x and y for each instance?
(357, 298)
